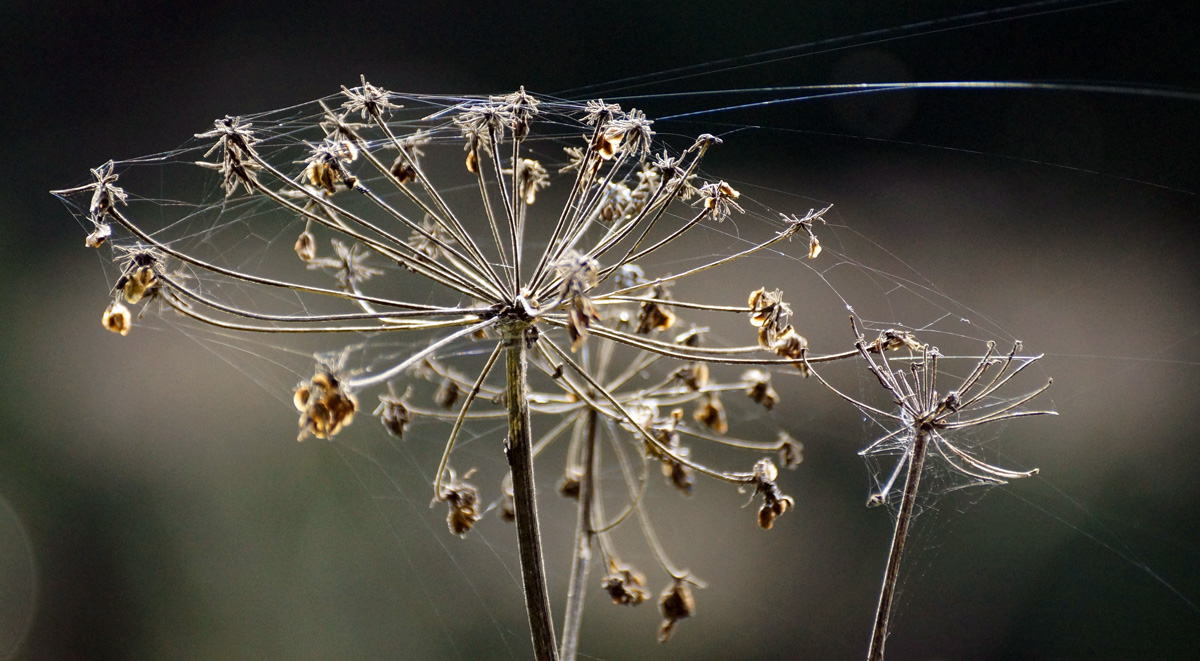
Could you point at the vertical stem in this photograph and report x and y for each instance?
(915, 462)
(581, 562)
(520, 462)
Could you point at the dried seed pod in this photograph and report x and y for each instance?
(690, 337)
(625, 585)
(463, 499)
(607, 144)
(447, 393)
(760, 389)
(402, 169)
(394, 413)
(711, 414)
(571, 483)
(814, 247)
(325, 406)
(789, 450)
(654, 316)
(789, 343)
(508, 505)
(675, 603)
(774, 502)
(694, 376)
(117, 318)
(306, 246)
(892, 339)
(138, 284)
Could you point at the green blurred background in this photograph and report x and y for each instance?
(153, 502)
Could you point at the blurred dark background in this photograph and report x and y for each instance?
(154, 505)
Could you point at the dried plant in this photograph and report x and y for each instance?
(573, 311)
(925, 419)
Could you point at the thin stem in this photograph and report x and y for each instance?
(520, 462)
(915, 463)
(581, 561)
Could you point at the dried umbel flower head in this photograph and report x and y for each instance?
(561, 320)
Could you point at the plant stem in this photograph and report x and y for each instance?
(520, 462)
(916, 462)
(581, 562)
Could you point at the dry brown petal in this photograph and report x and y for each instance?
(693, 375)
(789, 450)
(625, 585)
(654, 317)
(403, 170)
(117, 318)
(680, 475)
(608, 143)
(790, 344)
(675, 603)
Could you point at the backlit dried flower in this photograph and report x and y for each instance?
(531, 178)
(368, 100)
(632, 132)
(720, 198)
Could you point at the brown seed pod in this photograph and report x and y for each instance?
(117, 318)
(675, 603)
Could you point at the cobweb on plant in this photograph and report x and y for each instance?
(853, 275)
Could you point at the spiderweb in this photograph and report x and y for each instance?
(880, 266)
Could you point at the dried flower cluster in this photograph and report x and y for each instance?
(572, 309)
